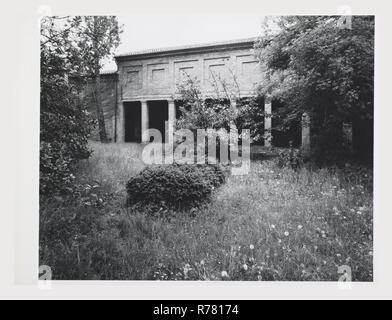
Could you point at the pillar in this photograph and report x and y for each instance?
(121, 123)
(113, 133)
(305, 124)
(267, 122)
(144, 120)
(171, 120)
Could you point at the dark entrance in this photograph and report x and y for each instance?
(132, 121)
(283, 133)
(157, 115)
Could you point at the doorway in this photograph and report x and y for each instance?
(157, 115)
(132, 121)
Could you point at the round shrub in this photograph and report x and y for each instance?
(174, 186)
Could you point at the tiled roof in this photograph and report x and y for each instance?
(192, 46)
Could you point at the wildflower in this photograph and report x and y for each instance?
(245, 267)
(370, 253)
(286, 233)
(187, 267)
(202, 262)
(272, 226)
(299, 227)
(338, 255)
(251, 247)
(224, 274)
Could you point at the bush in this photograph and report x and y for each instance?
(174, 186)
(64, 121)
(291, 158)
(65, 127)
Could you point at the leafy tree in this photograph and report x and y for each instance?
(97, 37)
(200, 113)
(315, 64)
(217, 111)
(65, 123)
(72, 52)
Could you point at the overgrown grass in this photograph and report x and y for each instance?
(272, 224)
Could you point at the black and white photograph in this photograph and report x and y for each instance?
(206, 146)
(196, 158)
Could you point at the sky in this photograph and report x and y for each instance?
(159, 30)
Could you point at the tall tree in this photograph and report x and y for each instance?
(318, 65)
(64, 121)
(97, 39)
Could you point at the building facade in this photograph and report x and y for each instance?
(143, 92)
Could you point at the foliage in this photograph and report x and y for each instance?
(174, 186)
(75, 242)
(200, 113)
(96, 38)
(72, 51)
(314, 64)
(65, 123)
(291, 158)
(250, 116)
(217, 111)
(272, 224)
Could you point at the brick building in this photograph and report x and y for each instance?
(142, 93)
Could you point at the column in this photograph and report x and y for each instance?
(121, 123)
(305, 124)
(113, 133)
(171, 120)
(267, 122)
(144, 120)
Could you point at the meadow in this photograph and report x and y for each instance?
(271, 224)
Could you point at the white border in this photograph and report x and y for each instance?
(19, 160)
